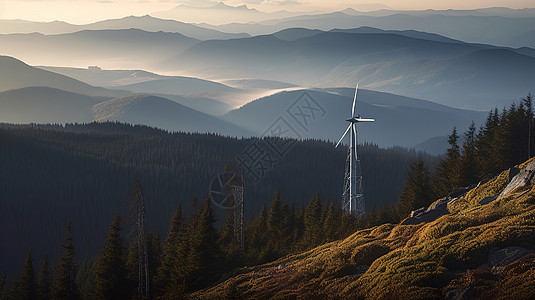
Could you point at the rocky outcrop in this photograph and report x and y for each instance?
(520, 178)
(436, 210)
(501, 257)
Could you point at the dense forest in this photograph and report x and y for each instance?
(197, 251)
(54, 174)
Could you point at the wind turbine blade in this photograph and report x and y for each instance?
(354, 101)
(348, 127)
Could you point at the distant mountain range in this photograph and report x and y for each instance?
(220, 13)
(321, 113)
(14, 74)
(146, 23)
(407, 63)
(491, 26)
(122, 48)
(400, 120)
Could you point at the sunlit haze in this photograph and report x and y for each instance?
(84, 11)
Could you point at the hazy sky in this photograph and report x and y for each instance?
(83, 11)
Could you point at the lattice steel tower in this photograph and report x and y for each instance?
(237, 193)
(353, 195)
(136, 210)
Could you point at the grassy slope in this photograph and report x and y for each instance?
(424, 261)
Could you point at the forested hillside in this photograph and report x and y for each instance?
(82, 173)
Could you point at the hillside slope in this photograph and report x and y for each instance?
(162, 113)
(481, 248)
(15, 74)
(395, 115)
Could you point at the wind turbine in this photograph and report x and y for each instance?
(353, 195)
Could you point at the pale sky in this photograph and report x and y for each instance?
(85, 11)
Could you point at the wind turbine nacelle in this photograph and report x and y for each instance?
(359, 119)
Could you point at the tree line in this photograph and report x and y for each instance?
(83, 172)
(506, 139)
(193, 255)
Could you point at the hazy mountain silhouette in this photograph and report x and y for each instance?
(433, 68)
(478, 26)
(109, 48)
(14, 74)
(146, 23)
(178, 85)
(46, 105)
(399, 120)
(106, 78)
(258, 84)
(162, 113)
(219, 13)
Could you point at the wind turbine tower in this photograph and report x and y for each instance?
(353, 195)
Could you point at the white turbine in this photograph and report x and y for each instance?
(353, 195)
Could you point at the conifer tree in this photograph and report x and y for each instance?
(3, 290)
(154, 252)
(43, 284)
(528, 103)
(448, 170)
(486, 147)
(85, 278)
(257, 235)
(313, 234)
(331, 223)
(171, 273)
(26, 287)
(111, 280)
(64, 284)
(203, 253)
(469, 170)
(278, 228)
(228, 243)
(417, 191)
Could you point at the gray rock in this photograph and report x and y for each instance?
(523, 177)
(501, 257)
(418, 212)
(457, 294)
(487, 200)
(432, 213)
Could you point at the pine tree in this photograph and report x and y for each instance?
(64, 284)
(228, 242)
(203, 253)
(448, 170)
(171, 273)
(43, 284)
(331, 224)
(486, 151)
(469, 170)
(111, 280)
(278, 229)
(26, 285)
(417, 191)
(85, 278)
(528, 103)
(3, 289)
(257, 235)
(313, 234)
(154, 252)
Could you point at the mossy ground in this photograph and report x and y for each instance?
(425, 261)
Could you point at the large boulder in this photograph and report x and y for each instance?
(501, 257)
(523, 177)
(436, 210)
